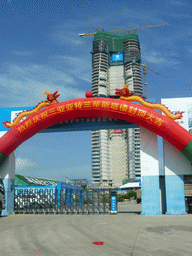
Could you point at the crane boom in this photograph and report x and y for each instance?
(121, 30)
(152, 70)
(83, 35)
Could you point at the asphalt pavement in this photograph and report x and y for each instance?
(126, 233)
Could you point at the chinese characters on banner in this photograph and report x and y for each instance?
(88, 104)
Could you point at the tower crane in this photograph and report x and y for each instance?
(128, 30)
(121, 30)
(145, 76)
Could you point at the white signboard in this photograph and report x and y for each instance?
(181, 104)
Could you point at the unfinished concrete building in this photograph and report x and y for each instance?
(115, 62)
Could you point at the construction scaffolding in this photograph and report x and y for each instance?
(115, 42)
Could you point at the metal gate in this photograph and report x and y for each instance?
(62, 201)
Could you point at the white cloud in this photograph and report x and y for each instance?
(59, 33)
(86, 78)
(178, 15)
(25, 86)
(153, 59)
(31, 93)
(174, 38)
(174, 54)
(82, 64)
(28, 168)
(77, 172)
(76, 41)
(189, 49)
(24, 163)
(23, 53)
(79, 67)
(157, 57)
(179, 3)
(60, 36)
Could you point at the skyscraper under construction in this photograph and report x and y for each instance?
(115, 62)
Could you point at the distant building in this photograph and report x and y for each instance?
(115, 62)
(181, 104)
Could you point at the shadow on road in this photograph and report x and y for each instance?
(135, 212)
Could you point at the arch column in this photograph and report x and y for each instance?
(176, 166)
(7, 173)
(150, 192)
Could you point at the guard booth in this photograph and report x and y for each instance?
(113, 201)
(188, 193)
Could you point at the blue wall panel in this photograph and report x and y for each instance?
(175, 195)
(9, 196)
(150, 195)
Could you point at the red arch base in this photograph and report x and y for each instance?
(96, 107)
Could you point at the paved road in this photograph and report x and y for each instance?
(129, 207)
(122, 234)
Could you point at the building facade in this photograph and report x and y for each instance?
(115, 62)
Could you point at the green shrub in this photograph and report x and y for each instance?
(120, 199)
(131, 194)
(126, 196)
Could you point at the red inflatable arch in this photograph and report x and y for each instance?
(98, 107)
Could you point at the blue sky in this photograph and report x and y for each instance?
(41, 50)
